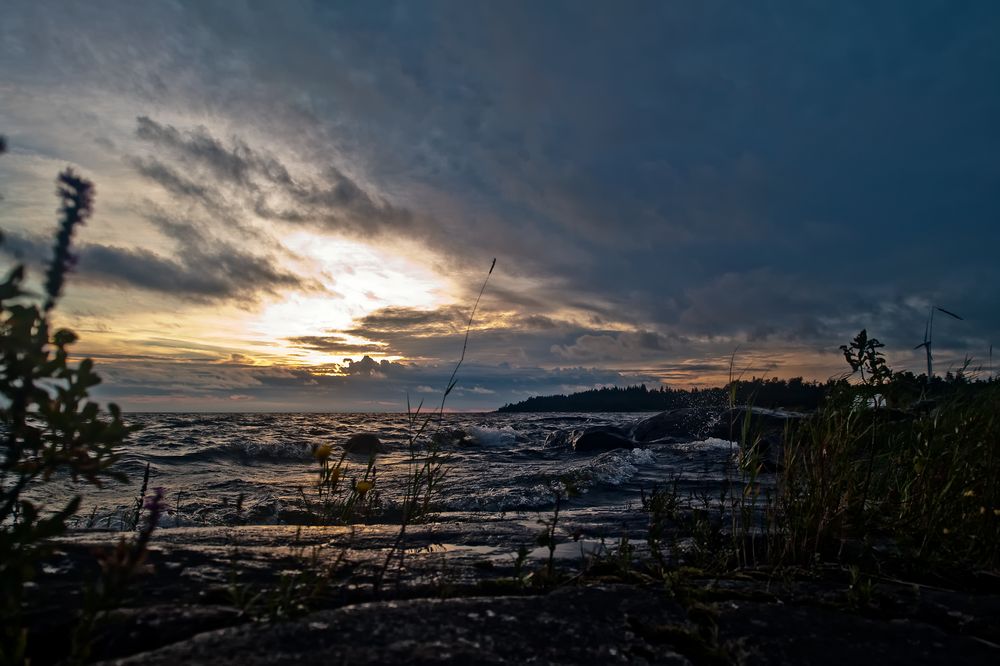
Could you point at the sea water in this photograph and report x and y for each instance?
(221, 469)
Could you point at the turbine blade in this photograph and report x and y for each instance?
(922, 344)
(950, 314)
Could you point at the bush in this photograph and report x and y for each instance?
(51, 431)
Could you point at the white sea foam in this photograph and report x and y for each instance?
(617, 467)
(710, 444)
(492, 436)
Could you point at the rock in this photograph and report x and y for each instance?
(454, 437)
(600, 439)
(365, 443)
(557, 439)
(586, 440)
(567, 626)
(766, 427)
(765, 430)
(604, 624)
(681, 425)
(794, 634)
(126, 631)
(729, 422)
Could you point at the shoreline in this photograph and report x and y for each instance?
(182, 608)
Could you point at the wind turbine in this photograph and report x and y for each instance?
(928, 331)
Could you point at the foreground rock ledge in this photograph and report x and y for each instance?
(583, 625)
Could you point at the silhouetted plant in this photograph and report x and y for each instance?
(51, 429)
(424, 476)
(864, 357)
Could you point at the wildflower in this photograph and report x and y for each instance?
(969, 493)
(77, 197)
(946, 531)
(363, 487)
(155, 505)
(322, 452)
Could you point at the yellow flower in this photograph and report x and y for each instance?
(363, 487)
(946, 531)
(322, 452)
(969, 493)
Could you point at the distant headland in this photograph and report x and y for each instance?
(794, 393)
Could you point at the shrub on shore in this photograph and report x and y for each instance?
(52, 431)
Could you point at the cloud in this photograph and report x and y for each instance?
(365, 385)
(413, 322)
(245, 181)
(656, 185)
(202, 274)
(337, 344)
(624, 346)
(172, 181)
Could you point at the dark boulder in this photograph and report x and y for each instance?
(680, 425)
(729, 423)
(558, 439)
(364, 443)
(765, 428)
(600, 439)
(452, 437)
(761, 431)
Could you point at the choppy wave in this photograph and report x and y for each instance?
(617, 467)
(245, 450)
(485, 436)
(210, 464)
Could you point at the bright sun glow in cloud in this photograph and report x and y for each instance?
(359, 279)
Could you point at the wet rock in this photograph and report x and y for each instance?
(729, 423)
(762, 429)
(793, 634)
(558, 439)
(600, 439)
(587, 440)
(568, 626)
(765, 432)
(453, 437)
(365, 443)
(679, 425)
(127, 631)
(603, 624)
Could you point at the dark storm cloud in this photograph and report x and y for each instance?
(172, 181)
(622, 346)
(210, 275)
(411, 321)
(202, 275)
(198, 146)
(335, 344)
(245, 180)
(704, 170)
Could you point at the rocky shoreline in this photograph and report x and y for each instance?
(456, 601)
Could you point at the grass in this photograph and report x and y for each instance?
(861, 488)
(918, 489)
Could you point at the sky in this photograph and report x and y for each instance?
(298, 202)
